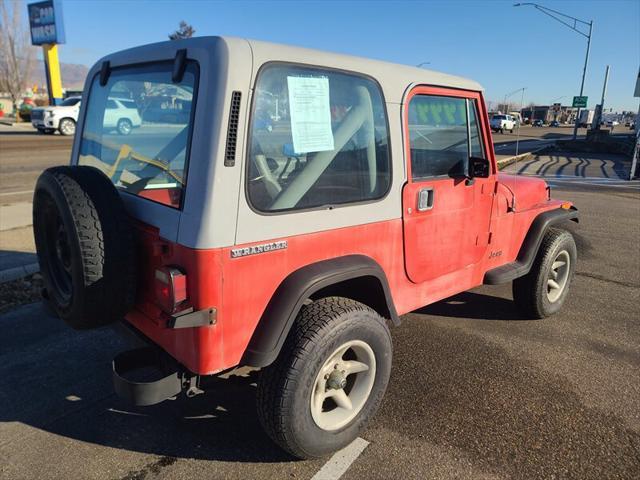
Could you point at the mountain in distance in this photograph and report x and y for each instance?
(73, 76)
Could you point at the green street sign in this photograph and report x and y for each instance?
(580, 102)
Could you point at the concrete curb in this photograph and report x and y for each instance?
(505, 162)
(18, 272)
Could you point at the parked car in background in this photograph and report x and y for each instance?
(61, 117)
(538, 123)
(500, 123)
(120, 114)
(555, 123)
(612, 123)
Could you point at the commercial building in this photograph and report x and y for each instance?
(549, 113)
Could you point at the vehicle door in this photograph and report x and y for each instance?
(448, 198)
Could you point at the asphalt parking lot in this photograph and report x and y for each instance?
(475, 392)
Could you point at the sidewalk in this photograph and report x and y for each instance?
(17, 247)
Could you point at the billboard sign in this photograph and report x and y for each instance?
(45, 22)
(580, 102)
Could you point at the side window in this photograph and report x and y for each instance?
(443, 133)
(318, 138)
(475, 137)
(111, 105)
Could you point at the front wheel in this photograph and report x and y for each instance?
(328, 380)
(67, 126)
(124, 126)
(543, 291)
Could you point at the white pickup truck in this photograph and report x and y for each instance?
(500, 123)
(121, 115)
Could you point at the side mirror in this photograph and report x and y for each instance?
(479, 167)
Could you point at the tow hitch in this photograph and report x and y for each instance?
(163, 377)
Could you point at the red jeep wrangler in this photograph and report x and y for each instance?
(278, 208)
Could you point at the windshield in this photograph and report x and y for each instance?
(69, 102)
(137, 130)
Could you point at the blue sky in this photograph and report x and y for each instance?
(501, 46)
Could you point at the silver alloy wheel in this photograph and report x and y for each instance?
(558, 276)
(343, 385)
(67, 127)
(124, 127)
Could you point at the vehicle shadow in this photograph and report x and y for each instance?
(66, 377)
(474, 305)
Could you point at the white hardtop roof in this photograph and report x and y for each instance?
(395, 78)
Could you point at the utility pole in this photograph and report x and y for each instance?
(560, 17)
(598, 118)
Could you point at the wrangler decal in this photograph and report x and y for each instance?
(267, 247)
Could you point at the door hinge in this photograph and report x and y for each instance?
(483, 239)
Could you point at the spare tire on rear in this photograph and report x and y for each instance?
(85, 245)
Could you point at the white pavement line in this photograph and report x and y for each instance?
(15, 193)
(341, 461)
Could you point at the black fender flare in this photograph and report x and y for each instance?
(299, 286)
(530, 246)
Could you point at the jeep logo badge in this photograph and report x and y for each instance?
(266, 247)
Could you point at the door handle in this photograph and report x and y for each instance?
(425, 199)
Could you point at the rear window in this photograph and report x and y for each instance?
(499, 117)
(137, 130)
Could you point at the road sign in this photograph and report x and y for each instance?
(47, 29)
(557, 107)
(580, 102)
(45, 21)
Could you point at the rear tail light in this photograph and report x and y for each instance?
(171, 289)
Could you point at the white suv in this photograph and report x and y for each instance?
(120, 114)
(500, 123)
(61, 117)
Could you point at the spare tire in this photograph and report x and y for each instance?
(85, 245)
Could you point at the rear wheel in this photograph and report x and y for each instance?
(124, 126)
(329, 378)
(543, 290)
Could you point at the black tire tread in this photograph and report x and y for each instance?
(279, 379)
(526, 291)
(106, 244)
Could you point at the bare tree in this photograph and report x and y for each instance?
(185, 31)
(16, 52)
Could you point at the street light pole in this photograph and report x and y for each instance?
(509, 95)
(556, 16)
(584, 74)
